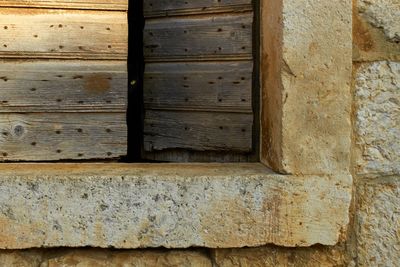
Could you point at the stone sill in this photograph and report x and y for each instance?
(168, 205)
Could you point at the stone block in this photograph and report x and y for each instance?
(306, 77)
(382, 14)
(378, 222)
(282, 257)
(173, 206)
(139, 258)
(377, 110)
(20, 258)
(89, 257)
(370, 43)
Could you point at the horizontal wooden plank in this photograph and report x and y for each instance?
(57, 136)
(184, 155)
(179, 7)
(46, 33)
(197, 131)
(200, 37)
(199, 86)
(59, 85)
(74, 4)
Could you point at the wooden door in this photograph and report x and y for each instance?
(63, 79)
(198, 80)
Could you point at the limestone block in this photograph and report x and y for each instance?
(18, 258)
(378, 223)
(383, 14)
(317, 85)
(377, 102)
(282, 257)
(306, 77)
(174, 206)
(88, 257)
(370, 43)
(107, 258)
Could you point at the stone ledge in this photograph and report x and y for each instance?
(168, 205)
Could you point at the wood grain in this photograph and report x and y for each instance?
(178, 7)
(218, 86)
(184, 155)
(197, 131)
(223, 37)
(198, 80)
(58, 136)
(55, 86)
(73, 4)
(45, 33)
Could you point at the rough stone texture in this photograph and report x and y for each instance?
(175, 206)
(384, 14)
(275, 256)
(308, 106)
(103, 258)
(378, 223)
(377, 96)
(308, 92)
(23, 258)
(370, 43)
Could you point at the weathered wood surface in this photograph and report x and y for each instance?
(198, 80)
(45, 33)
(54, 86)
(73, 4)
(179, 7)
(222, 37)
(199, 86)
(184, 155)
(197, 131)
(63, 109)
(57, 136)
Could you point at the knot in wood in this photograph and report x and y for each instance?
(19, 130)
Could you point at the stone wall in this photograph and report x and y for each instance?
(376, 148)
(373, 237)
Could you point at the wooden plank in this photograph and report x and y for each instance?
(55, 86)
(57, 136)
(45, 33)
(199, 86)
(223, 37)
(73, 4)
(181, 155)
(198, 81)
(201, 131)
(178, 7)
